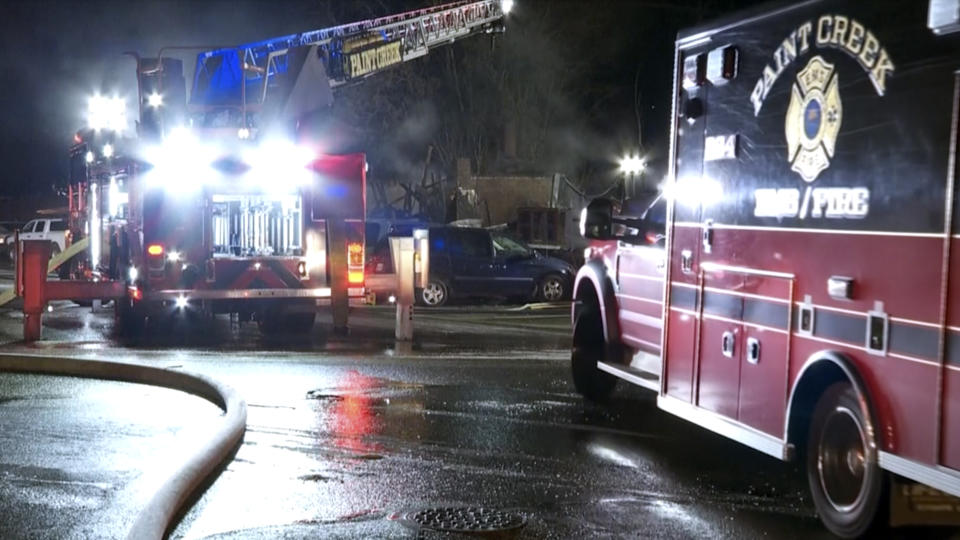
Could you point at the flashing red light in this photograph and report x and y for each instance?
(155, 250)
(136, 293)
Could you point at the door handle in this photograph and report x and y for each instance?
(727, 344)
(753, 351)
(708, 236)
(686, 261)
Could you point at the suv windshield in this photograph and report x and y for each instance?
(504, 245)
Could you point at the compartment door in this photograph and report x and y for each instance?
(720, 343)
(765, 354)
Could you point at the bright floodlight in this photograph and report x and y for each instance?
(106, 113)
(632, 165)
(506, 6)
(181, 163)
(155, 100)
(279, 166)
(173, 256)
(181, 302)
(108, 150)
(89, 157)
(243, 133)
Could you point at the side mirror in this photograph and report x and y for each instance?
(596, 220)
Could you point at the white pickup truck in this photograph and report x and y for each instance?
(52, 229)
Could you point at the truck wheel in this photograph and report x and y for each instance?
(301, 323)
(63, 271)
(847, 484)
(589, 346)
(275, 321)
(130, 319)
(552, 288)
(434, 294)
(269, 321)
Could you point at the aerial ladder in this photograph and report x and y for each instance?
(251, 86)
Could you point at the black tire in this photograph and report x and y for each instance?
(435, 294)
(63, 271)
(301, 323)
(269, 322)
(276, 321)
(589, 347)
(552, 288)
(129, 318)
(848, 487)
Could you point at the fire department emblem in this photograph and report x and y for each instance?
(813, 119)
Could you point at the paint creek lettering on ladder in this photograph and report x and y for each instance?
(373, 59)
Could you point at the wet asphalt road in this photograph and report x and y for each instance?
(346, 436)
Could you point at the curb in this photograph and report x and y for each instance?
(154, 520)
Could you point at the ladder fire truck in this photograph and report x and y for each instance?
(795, 288)
(229, 201)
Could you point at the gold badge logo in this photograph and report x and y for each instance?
(813, 119)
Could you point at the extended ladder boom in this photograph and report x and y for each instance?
(245, 76)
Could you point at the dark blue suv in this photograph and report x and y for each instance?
(477, 263)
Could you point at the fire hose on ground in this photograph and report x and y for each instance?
(163, 508)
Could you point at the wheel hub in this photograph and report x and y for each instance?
(552, 290)
(432, 294)
(841, 460)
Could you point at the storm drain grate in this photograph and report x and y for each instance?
(465, 519)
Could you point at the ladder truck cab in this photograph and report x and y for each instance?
(232, 198)
(802, 295)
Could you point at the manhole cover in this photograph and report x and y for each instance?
(465, 519)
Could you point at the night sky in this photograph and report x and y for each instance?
(54, 55)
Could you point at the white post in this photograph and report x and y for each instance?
(402, 250)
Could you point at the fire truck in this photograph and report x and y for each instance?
(229, 200)
(795, 287)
